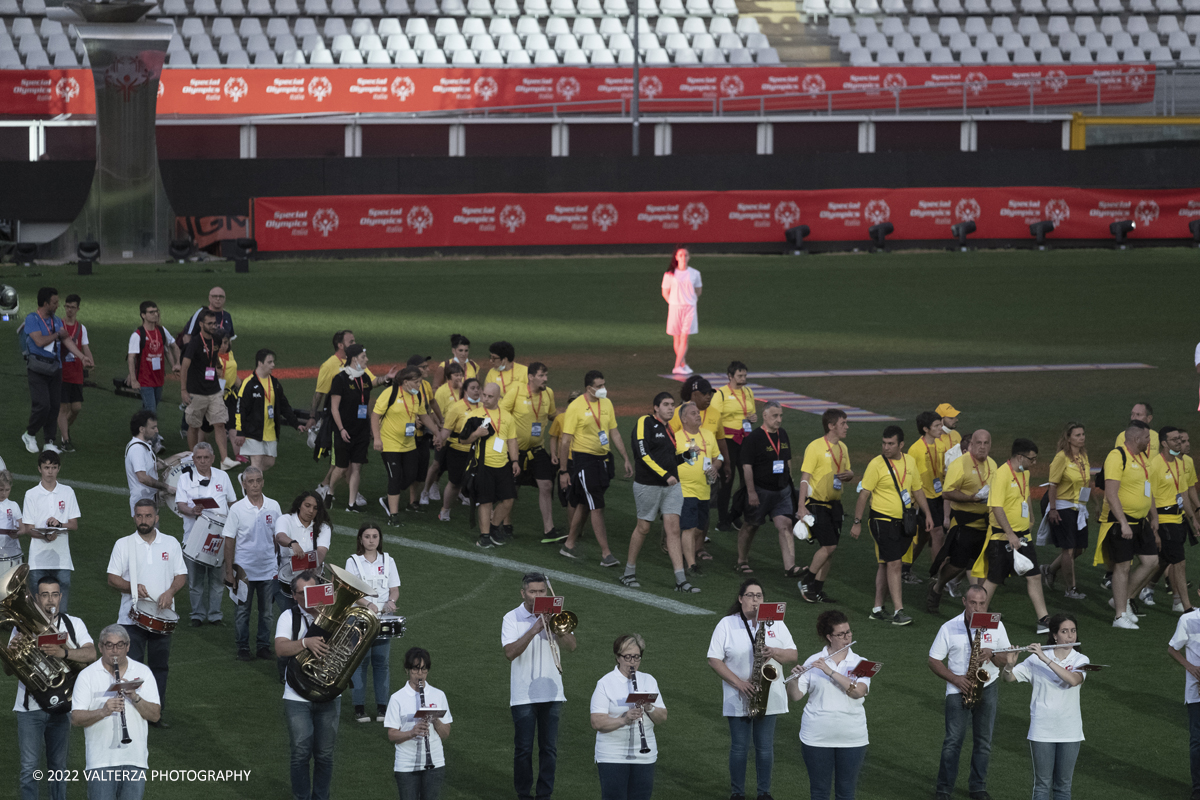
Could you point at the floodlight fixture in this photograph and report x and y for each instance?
(88, 253)
(1038, 230)
(796, 236)
(880, 232)
(1120, 230)
(961, 231)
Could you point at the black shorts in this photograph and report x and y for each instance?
(424, 444)
(937, 510)
(537, 464)
(827, 522)
(1121, 549)
(1067, 535)
(401, 470)
(1172, 535)
(439, 458)
(456, 465)
(771, 504)
(891, 542)
(351, 452)
(72, 392)
(999, 558)
(494, 485)
(589, 480)
(965, 545)
(694, 515)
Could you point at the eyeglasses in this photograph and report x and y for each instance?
(418, 669)
(753, 595)
(629, 658)
(114, 645)
(845, 635)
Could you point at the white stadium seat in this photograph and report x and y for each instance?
(1107, 55)
(918, 26)
(913, 55)
(602, 57)
(971, 56)
(208, 58)
(500, 26)
(1161, 55)
(582, 26)
(1051, 56)
(545, 57)
(997, 55)
(519, 57)
(941, 55)
(407, 57)
(1024, 55)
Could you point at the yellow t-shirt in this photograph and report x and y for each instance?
(1010, 492)
(735, 406)
(1151, 451)
(1169, 483)
(581, 423)
(327, 371)
(529, 408)
(947, 440)
(691, 476)
(495, 448)
(968, 476)
(878, 481)
(822, 461)
(1134, 493)
(930, 466)
(456, 415)
(444, 397)
(710, 420)
(556, 426)
(1069, 475)
(515, 375)
(1190, 470)
(395, 419)
(230, 376)
(470, 369)
(428, 401)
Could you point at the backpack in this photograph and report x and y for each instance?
(23, 341)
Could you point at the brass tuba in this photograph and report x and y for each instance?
(348, 630)
(975, 671)
(49, 679)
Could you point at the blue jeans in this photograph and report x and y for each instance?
(206, 584)
(626, 781)
(151, 397)
(63, 576)
(741, 729)
(40, 733)
(377, 660)
(543, 717)
(424, 784)
(1053, 767)
(1194, 728)
(312, 728)
(832, 766)
(981, 718)
(258, 592)
(116, 783)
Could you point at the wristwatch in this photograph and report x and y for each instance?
(857, 520)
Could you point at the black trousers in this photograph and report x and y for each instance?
(45, 396)
(153, 650)
(726, 490)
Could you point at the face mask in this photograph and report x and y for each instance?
(501, 368)
(469, 400)
(1174, 453)
(601, 393)
(1020, 468)
(413, 391)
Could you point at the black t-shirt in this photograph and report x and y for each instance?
(355, 393)
(203, 351)
(761, 451)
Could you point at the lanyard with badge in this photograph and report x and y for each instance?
(930, 450)
(603, 434)
(837, 464)
(1021, 485)
(154, 345)
(905, 497)
(1175, 477)
(210, 370)
(983, 479)
(497, 442)
(778, 464)
(535, 429)
(747, 427)
(269, 392)
(1146, 469)
(69, 356)
(410, 427)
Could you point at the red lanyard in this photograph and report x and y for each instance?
(595, 414)
(982, 480)
(154, 341)
(537, 411)
(837, 460)
(1174, 474)
(904, 463)
(495, 423)
(1020, 483)
(205, 343)
(404, 397)
(741, 398)
(929, 452)
(268, 390)
(703, 444)
(667, 428)
(503, 384)
(1084, 471)
(775, 445)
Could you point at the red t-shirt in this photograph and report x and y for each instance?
(72, 367)
(150, 369)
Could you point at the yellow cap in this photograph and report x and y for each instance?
(947, 410)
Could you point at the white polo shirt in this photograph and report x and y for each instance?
(41, 504)
(953, 642)
(532, 676)
(380, 575)
(401, 715)
(1054, 709)
(832, 718)
(253, 527)
(622, 746)
(732, 644)
(102, 740)
(154, 564)
(139, 457)
(192, 486)
(10, 520)
(309, 541)
(283, 630)
(1187, 641)
(81, 638)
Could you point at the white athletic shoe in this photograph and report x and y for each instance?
(51, 447)
(229, 463)
(360, 501)
(435, 493)
(684, 370)
(1122, 622)
(1147, 596)
(464, 501)
(322, 491)
(1177, 606)
(444, 515)
(1129, 615)
(424, 498)
(30, 442)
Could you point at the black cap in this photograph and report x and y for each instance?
(354, 351)
(417, 361)
(698, 383)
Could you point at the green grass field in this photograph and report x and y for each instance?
(826, 312)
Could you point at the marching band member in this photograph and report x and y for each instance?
(250, 558)
(114, 768)
(201, 480)
(49, 514)
(535, 688)
(10, 526)
(626, 750)
(1184, 647)
(304, 529)
(1055, 725)
(420, 765)
(38, 731)
(833, 729)
(953, 646)
(731, 655)
(378, 570)
(148, 565)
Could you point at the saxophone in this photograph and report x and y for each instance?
(763, 673)
(975, 671)
(50, 680)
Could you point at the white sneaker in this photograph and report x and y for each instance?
(322, 491)
(464, 501)
(229, 463)
(1177, 606)
(435, 493)
(30, 442)
(51, 447)
(444, 515)
(952, 589)
(681, 370)
(1122, 622)
(424, 498)
(1147, 596)
(1130, 616)
(360, 501)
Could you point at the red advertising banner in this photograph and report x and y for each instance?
(247, 92)
(480, 220)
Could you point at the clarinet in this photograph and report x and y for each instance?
(641, 726)
(117, 676)
(428, 721)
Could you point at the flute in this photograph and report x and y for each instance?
(1026, 649)
(428, 722)
(810, 666)
(125, 739)
(641, 726)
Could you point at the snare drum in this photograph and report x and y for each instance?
(149, 617)
(391, 626)
(205, 544)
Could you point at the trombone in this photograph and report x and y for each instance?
(559, 624)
